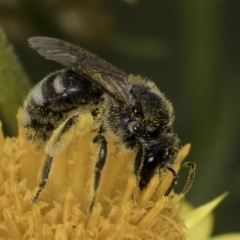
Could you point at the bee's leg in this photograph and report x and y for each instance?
(175, 176)
(102, 155)
(44, 176)
(191, 175)
(59, 140)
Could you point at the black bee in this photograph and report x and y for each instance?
(130, 107)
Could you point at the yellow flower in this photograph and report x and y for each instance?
(120, 210)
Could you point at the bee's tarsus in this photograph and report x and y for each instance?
(175, 176)
(191, 175)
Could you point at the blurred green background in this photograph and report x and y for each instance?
(191, 49)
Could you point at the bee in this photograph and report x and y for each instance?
(129, 107)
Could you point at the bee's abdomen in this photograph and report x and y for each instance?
(52, 100)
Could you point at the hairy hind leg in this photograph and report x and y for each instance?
(62, 136)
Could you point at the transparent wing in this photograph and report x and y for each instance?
(106, 76)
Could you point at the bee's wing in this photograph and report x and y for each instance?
(106, 76)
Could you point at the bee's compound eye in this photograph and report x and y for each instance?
(150, 163)
(134, 126)
(152, 159)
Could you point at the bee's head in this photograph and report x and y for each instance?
(158, 154)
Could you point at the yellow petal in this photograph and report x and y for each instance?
(194, 217)
(200, 221)
(203, 229)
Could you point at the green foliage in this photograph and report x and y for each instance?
(14, 85)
